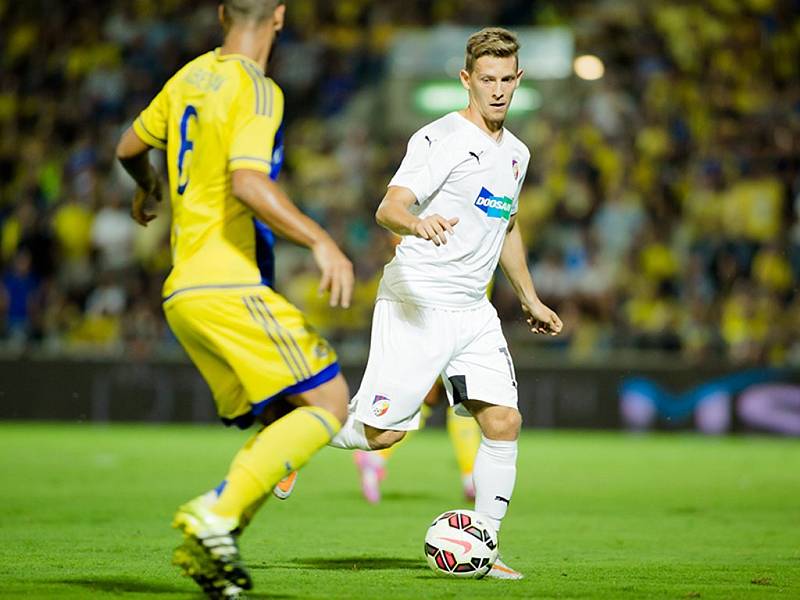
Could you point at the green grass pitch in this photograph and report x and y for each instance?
(85, 512)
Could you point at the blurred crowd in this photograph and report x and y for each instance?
(662, 205)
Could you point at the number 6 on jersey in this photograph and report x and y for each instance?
(186, 147)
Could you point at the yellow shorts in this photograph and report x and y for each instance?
(251, 346)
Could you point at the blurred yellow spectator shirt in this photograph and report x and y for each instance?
(72, 223)
(753, 209)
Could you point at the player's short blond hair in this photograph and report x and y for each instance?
(237, 11)
(491, 41)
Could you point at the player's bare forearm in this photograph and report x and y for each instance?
(393, 213)
(132, 155)
(539, 317)
(270, 204)
(515, 266)
(273, 207)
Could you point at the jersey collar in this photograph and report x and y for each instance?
(497, 142)
(232, 56)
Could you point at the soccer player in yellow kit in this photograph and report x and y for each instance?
(219, 121)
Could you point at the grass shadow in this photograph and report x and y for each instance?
(404, 496)
(122, 585)
(350, 563)
(435, 579)
(388, 496)
(127, 585)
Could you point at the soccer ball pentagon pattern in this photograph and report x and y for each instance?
(461, 543)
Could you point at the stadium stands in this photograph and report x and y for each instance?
(662, 208)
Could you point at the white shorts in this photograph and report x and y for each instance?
(412, 345)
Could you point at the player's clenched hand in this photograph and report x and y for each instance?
(337, 273)
(140, 200)
(433, 228)
(541, 319)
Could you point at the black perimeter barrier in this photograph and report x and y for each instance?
(668, 396)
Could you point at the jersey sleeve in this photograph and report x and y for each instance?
(259, 113)
(151, 124)
(523, 172)
(425, 166)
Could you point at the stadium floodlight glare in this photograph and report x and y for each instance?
(545, 52)
(589, 67)
(420, 60)
(435, 98)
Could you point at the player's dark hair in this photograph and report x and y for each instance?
(237, 11)
(491, 41)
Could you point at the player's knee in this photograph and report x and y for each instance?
(503, 424)
(331, 405)
(380, 439)
(334, 406)
(339, 410)
(332, 396)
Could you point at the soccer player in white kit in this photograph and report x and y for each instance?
(454, 202)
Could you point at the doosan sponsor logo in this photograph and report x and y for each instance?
(498, 207)
(493, 203)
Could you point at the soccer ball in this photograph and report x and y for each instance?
(461, 543)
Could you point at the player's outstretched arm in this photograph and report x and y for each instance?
(270, 204)
(132, 155)
(541, 319)
(393, 214)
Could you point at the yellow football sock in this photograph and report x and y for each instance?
(424, 412)
(271, 454)
(465, 434)
(386, 453)
(250, 512)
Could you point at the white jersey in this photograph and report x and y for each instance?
(455, 169)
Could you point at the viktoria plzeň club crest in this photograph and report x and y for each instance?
(495, 207)
(380, 404)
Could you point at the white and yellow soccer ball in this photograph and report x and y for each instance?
(460, 543)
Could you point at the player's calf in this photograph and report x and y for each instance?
(501, 423)
(496, 462)
(382, 438)
(354, 435)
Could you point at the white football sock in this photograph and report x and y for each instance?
(494, 475)
(351, 436)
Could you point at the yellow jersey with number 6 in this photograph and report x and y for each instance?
(217, 114)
